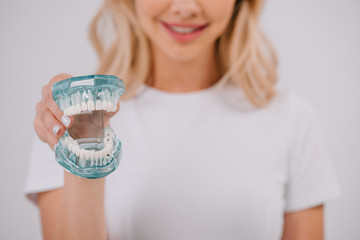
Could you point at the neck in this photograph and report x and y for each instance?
(185, 76)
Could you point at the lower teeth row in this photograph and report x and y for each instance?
(88, 158)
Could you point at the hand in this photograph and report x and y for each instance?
(49, 122)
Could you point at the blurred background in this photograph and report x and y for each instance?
(318, 47)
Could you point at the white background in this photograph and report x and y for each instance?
(318, 46)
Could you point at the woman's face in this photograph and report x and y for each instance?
(184, 29)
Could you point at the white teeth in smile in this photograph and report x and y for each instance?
(183, 30)
(89, 158)
(82, 102)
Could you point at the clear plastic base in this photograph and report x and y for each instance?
(85, 166)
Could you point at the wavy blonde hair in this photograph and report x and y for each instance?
(244, 54)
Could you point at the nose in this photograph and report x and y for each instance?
(185, 8)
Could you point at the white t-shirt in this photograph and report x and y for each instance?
(206, 165)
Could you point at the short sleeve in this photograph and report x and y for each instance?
(311, 176)
(44, 172)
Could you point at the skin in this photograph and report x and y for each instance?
(76, 211)
(306, 224)
(177, 64)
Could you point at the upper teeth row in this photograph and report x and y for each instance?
(88, 158)
(183, 29)
(80, 102)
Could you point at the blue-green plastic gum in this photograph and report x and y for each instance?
(88, 157)
(83, 93)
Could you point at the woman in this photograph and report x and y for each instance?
(211, 149)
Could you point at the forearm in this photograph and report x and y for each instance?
(81, 213)
(304, 224)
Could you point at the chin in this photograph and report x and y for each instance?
(182, 53)
(183, 57)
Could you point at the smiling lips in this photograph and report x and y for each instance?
(184, 32)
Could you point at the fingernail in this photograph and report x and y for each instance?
(56, 129)
(55, 147)
(65, 120)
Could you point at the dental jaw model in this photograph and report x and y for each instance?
(87, 149)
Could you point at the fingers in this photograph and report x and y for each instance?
(58, 114)
(49, 122)
(51, 104)
(59, 77)
(46, 90)
(44, 134)
(40, 130)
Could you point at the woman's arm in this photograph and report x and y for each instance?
(304, 225)
(75, 211)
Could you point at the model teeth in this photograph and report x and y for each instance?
(89, 158)
(87, 101)
(183, 30)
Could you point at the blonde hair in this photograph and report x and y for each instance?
(244, 54)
